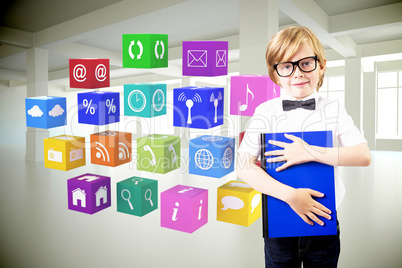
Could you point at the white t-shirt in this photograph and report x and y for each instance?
(329, 115)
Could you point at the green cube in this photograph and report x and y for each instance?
(158, 153)
(145, 99)
(137, 196)
(145, 50)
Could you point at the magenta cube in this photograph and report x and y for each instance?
(249, 91)
(88, 193)
(205, 58)
(184, 208)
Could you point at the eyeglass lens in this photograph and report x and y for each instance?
(287, 68)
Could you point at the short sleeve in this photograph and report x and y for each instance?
(257, 124)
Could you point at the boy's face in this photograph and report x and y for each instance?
(300, 84)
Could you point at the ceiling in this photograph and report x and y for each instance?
(93, 28)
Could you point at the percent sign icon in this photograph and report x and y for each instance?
(111, 106)
(89, 106)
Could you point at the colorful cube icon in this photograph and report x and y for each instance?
(205, 58)
(184, 208)
(145, 50)
(98, 107)
(198, 107)
(238, 203)
(145, 99)
(158, 153)
(211, 156)
(89, 73)
(247, 92)
(137, 196)
(64, 152)
(89, 193)
(45, 112)
(111, 148)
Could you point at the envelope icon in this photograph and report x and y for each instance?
(196, 58)
(221, 58)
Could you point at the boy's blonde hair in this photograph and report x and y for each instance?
(284, 45)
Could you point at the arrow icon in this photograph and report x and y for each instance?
(156, 49)
(141, 49)
(130, 49)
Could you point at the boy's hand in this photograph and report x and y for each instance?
(293, 153)
(301, 201)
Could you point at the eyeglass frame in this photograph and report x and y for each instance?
(296, 63)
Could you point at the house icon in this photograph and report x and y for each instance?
(101, 194)
(80, 195)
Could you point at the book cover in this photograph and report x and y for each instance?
(279, 219)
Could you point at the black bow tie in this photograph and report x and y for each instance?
(288, 105)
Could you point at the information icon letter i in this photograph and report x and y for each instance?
(175, 210)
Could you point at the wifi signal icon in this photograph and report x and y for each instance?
(124, 152)
(102, 152)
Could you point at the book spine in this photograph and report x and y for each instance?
(264, 196)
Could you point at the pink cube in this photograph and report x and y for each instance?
(249, 91)
(184, 208)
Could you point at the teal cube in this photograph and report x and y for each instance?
(137, 196)
(145, 50)
(158, 153)
(145, 99)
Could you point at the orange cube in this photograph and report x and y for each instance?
(111, 148)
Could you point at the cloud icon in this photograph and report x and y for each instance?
(56, 111)
(35, 111)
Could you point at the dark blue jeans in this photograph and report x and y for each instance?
(312, 251)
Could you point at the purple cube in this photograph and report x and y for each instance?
(88, 193)
(184, 208)
(205, 58)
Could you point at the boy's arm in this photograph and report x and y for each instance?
(300, 200)
(298, 152)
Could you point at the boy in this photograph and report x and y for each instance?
(296, 61)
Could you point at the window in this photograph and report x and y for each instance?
(389, 99)
(333, 87)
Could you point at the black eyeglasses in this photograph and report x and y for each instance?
(306, 65)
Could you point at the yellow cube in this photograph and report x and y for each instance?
(64, 152)
(238, 203)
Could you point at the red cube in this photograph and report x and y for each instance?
(89, 73)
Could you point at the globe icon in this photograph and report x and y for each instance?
(204, 159)
(227, 158)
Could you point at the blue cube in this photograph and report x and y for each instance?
(211, 156)
(198, 107)
(98, 107)
(45, 112)
(145, 99)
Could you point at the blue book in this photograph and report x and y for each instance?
(279, 219)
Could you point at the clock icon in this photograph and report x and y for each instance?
(158, 100)
(136, 100)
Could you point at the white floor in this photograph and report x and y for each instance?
(37, 229)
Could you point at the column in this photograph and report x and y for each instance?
(258, 22)
(369, 111)
(353, 85)
(37, 85)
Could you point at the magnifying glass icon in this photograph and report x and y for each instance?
(128, 198)
(148, 198)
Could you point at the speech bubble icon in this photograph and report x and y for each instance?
(255, 202)
(232, 202)
(239, 184)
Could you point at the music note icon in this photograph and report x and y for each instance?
(244, 107)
